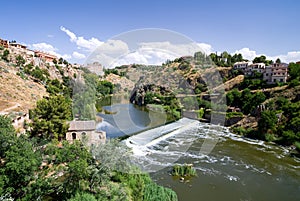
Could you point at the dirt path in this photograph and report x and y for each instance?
(16, 105)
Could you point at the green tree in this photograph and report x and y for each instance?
(262, 59)
(54, 61)
(267, 121)
(20, 60)
(278, 61)
(7, 135)
(5, 55)
(60, 60)
(104, 88)
(50, 116)
(294, 70)
(21, 162)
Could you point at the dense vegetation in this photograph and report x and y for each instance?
(70, 171)
(279, 120)
(41, 165)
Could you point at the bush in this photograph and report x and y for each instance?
(83, 197)
(186, 170)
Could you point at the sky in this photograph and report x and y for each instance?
(73, 29)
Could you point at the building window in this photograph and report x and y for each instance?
(74, 136)
(274, 80)
(281, 80)
(267, 74)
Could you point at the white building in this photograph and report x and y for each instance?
(256, 67)
(276, 73)
(241, 65)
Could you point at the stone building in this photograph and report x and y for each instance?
(85, 131)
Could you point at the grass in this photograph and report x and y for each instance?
(186, 170)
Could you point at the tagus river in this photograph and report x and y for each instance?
(236, 168)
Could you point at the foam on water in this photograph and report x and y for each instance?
(153, 153)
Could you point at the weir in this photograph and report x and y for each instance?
(150, 137)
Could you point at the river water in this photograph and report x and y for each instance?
(236, 168)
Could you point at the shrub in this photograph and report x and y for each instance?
(186, 170)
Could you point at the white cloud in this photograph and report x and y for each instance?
(65, 56)
(287, 58)
(293, 56)
(247, 53)
(146, 56)
(116, 52)
(77, 55)
(207, 48)
(82, 43)
(69, 33)
(44, 47)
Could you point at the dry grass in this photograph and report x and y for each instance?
(16, 91)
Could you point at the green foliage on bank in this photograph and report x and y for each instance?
(64, 171)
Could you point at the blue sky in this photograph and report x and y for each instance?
(251, 27)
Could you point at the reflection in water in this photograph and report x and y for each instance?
(121, 118)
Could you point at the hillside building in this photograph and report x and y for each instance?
(4, 43)
(45, 56)
(243, 65)
(277, 72)
(85, 131)
(256, 67)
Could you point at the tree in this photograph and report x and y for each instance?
(21, 162)
(50, 116)
(278, 61)
(294, 70)
(5, 55)
(104, 87)
(20, 60)
(267, 121)
(7, 135)
(60, 60)
(262, 59)
(54, 61)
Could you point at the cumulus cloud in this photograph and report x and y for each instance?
(44, 47)
(174, 49)
(147, 56)
(82, 43)
(288, 57)
(247, 53)
(116, 52)
(293, 56)
(206, 48)
(77, 55)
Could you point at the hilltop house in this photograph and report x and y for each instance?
(256, 67)
(46, 56)
(243, 65)
(85, 130)
(18, 45)
(277, 72)
(4, 43)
